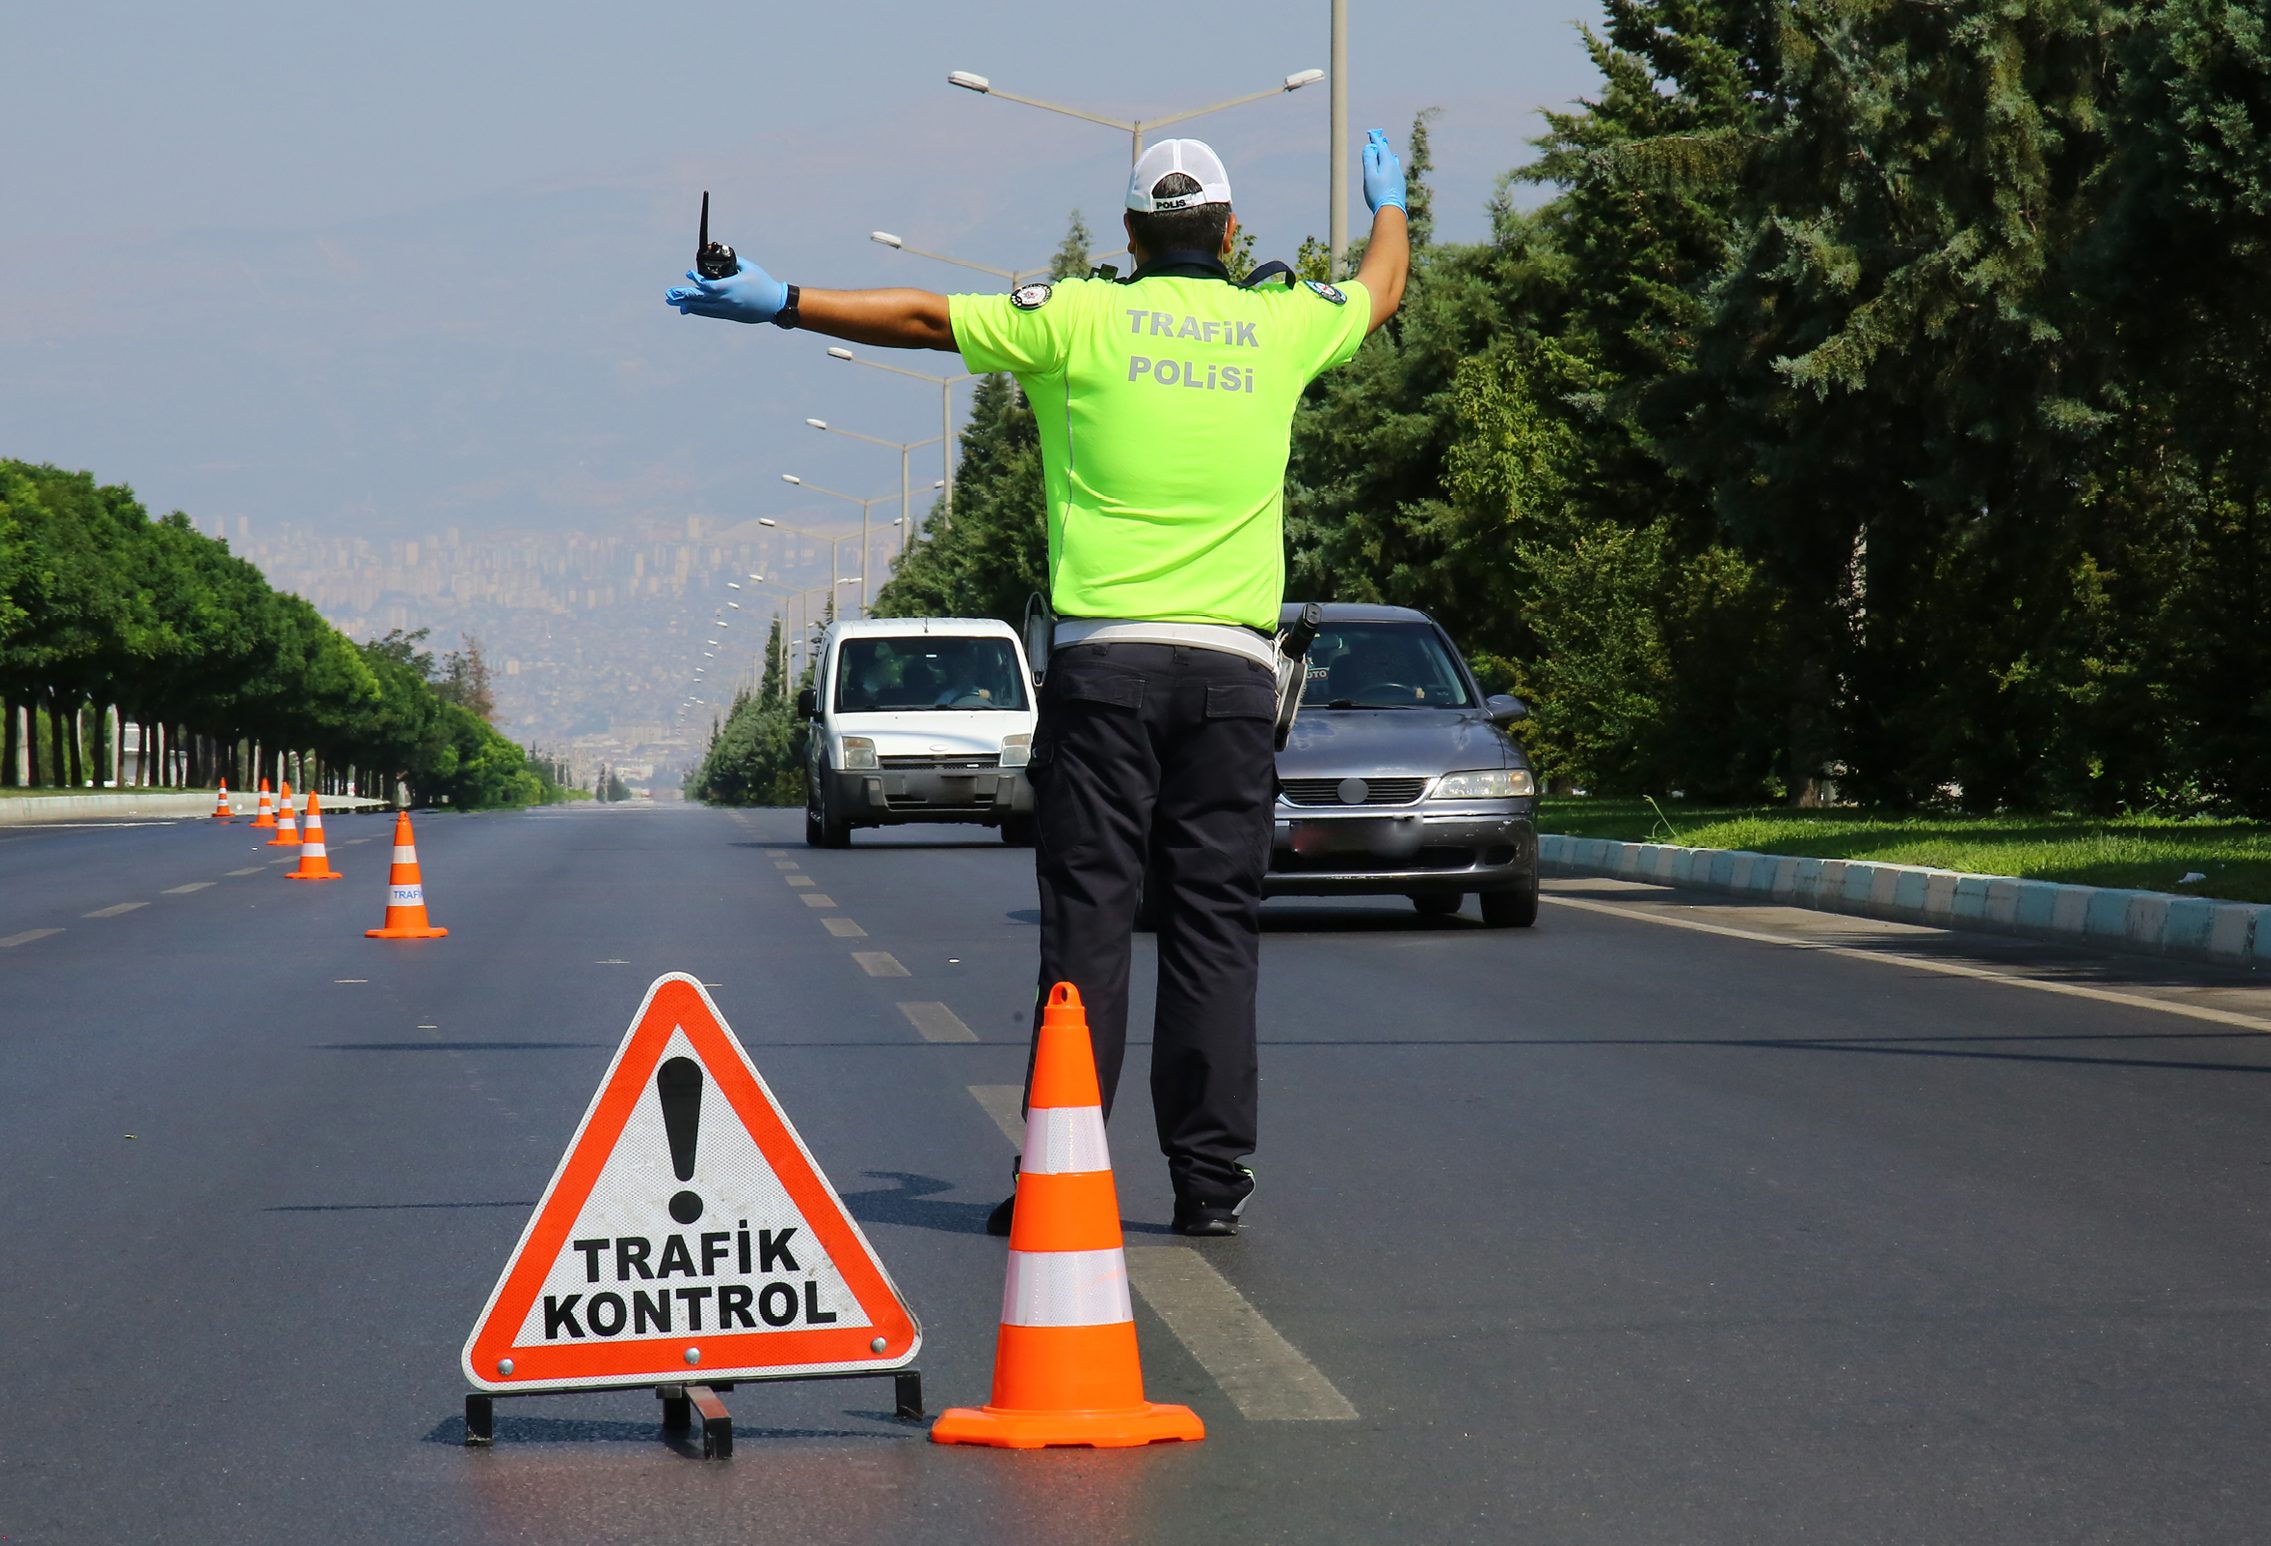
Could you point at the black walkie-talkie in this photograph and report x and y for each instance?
(712, 260)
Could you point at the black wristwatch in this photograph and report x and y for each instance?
(786, 316)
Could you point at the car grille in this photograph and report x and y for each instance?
(950, 762)
(1377, 791)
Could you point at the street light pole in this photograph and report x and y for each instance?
(1015, 276)
(1134, 127)
(1336, 219)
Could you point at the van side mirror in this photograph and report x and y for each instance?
(1503, 709)
(807, 703)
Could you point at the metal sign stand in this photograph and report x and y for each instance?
(681, 1403)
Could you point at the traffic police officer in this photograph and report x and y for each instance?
(1164, 404)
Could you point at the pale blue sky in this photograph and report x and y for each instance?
(393, 268)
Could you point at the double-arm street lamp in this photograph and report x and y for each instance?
(1133, 127)
(906, 509)
(866, 505)
(945, 385)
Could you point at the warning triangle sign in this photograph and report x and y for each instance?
(687, 1235)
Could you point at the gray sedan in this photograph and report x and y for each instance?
(1400, 777)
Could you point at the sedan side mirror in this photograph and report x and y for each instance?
(807, 703)
(1504, 709)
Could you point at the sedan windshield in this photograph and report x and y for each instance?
(927, 671)
(1383, 666)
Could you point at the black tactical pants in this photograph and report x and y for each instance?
(1161, 754)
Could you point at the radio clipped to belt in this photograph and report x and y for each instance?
(1293, 667)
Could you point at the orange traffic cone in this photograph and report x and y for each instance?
(315, 861)
(1066, 1369)
(287, 829)
(221, 811)
(266, 815)
(405, 892)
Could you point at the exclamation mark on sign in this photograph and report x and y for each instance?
(679, 1083)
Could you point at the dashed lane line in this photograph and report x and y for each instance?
(1926, 964)
(936, 1022)
(844, 928)
(1265, 1376)
(195, 885)
(25, 938)
(800, 880)
(114, 909)
(879, 963)
(250, 869)
(1004, 1103)
(815, 899)
(786, 864)
(776, 853)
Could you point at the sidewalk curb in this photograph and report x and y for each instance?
(155, 804)
(2145, 922)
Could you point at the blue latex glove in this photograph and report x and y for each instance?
(749, 296)
(1383, 174)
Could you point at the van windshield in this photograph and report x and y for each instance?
(928, 671)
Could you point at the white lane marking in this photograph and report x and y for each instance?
(786, 864)
(350, 979)
(1926, 964)
(815, 899)
(195, 885)
(800, 880)
(878, 963)
(776, 853)
(252, 869)
(25, 938)
(937, 1022)
(1004, 1103)
(1264, 1375)
(114, 909)
(844, 928)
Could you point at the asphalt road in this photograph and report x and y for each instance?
(1633, 1228)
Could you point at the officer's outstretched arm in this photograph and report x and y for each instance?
(894, 319)
(1387, 253)
(897, 319)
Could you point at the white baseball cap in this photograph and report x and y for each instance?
(1195, 159)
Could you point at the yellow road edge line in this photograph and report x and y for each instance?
(1925, 964)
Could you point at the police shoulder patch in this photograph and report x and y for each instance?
(1031, 297)
(1327, 291)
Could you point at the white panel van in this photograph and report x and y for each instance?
(918, 719)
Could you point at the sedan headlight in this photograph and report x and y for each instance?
(1016, 750)
(1486, 784)
(859, 752)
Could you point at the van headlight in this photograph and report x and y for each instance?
(1016, 750)
(1486, 784)
(859, 752)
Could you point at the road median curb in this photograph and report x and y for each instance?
(2144, 922)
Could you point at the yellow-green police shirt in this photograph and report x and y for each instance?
(1165, 411)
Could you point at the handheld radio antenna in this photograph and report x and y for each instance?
(702, 239)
